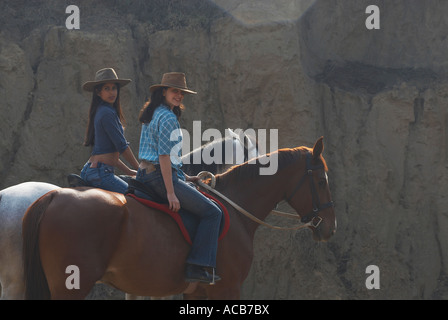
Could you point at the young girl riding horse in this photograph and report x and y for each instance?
(160, 170)
(105, 134)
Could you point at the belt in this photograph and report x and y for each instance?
(148, 166)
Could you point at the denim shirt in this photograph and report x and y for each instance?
(162, 136)
(109, 133)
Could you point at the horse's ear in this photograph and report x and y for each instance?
(318, 148)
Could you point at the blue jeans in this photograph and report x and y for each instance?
(205, 242)
(103, 177)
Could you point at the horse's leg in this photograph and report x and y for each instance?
(214, 292)
(130, 296)
(11, 271)
(62, 293)
(198, 294)
(223, 292)
(12, 289)
(74, 247)
(71, 281)
(14, 202)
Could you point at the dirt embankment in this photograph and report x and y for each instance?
(378, 96)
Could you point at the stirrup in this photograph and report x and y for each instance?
(213, 277)
(202, 275)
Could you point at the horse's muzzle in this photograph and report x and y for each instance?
(323, 232)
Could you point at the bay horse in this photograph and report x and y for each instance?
(114, 239)
(15, 200)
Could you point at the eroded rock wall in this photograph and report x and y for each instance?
(378, 96)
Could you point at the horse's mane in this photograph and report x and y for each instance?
(252, 169)
(286, 157)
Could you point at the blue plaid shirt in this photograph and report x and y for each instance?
(162, 136)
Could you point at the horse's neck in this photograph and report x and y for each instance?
(258, 198)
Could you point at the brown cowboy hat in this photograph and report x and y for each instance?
(104, 76)
(173, 80)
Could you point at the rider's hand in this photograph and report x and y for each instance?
(193, 179)
(173, 202)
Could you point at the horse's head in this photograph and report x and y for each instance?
(313, 200)
(242, 141)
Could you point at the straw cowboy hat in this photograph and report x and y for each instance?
(173, 80)
(104, 76)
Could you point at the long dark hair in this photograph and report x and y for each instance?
(156, 100)
(96, 101)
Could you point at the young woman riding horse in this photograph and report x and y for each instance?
(160, 170)
(114, 239)
(105, 134)
(15, 200)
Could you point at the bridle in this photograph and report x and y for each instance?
(313, 216)
(311, 219)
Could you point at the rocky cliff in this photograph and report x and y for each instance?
(307, 68)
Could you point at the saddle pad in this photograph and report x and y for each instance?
(187, 225)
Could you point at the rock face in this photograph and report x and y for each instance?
(306, 68)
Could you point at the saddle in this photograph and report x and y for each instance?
(186, 221)
(75, 180)
(137, 190)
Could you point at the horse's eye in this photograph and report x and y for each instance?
(322, 182)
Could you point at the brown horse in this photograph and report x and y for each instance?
(113, 239)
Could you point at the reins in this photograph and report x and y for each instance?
(211, 188)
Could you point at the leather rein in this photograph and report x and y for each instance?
(311, 219)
